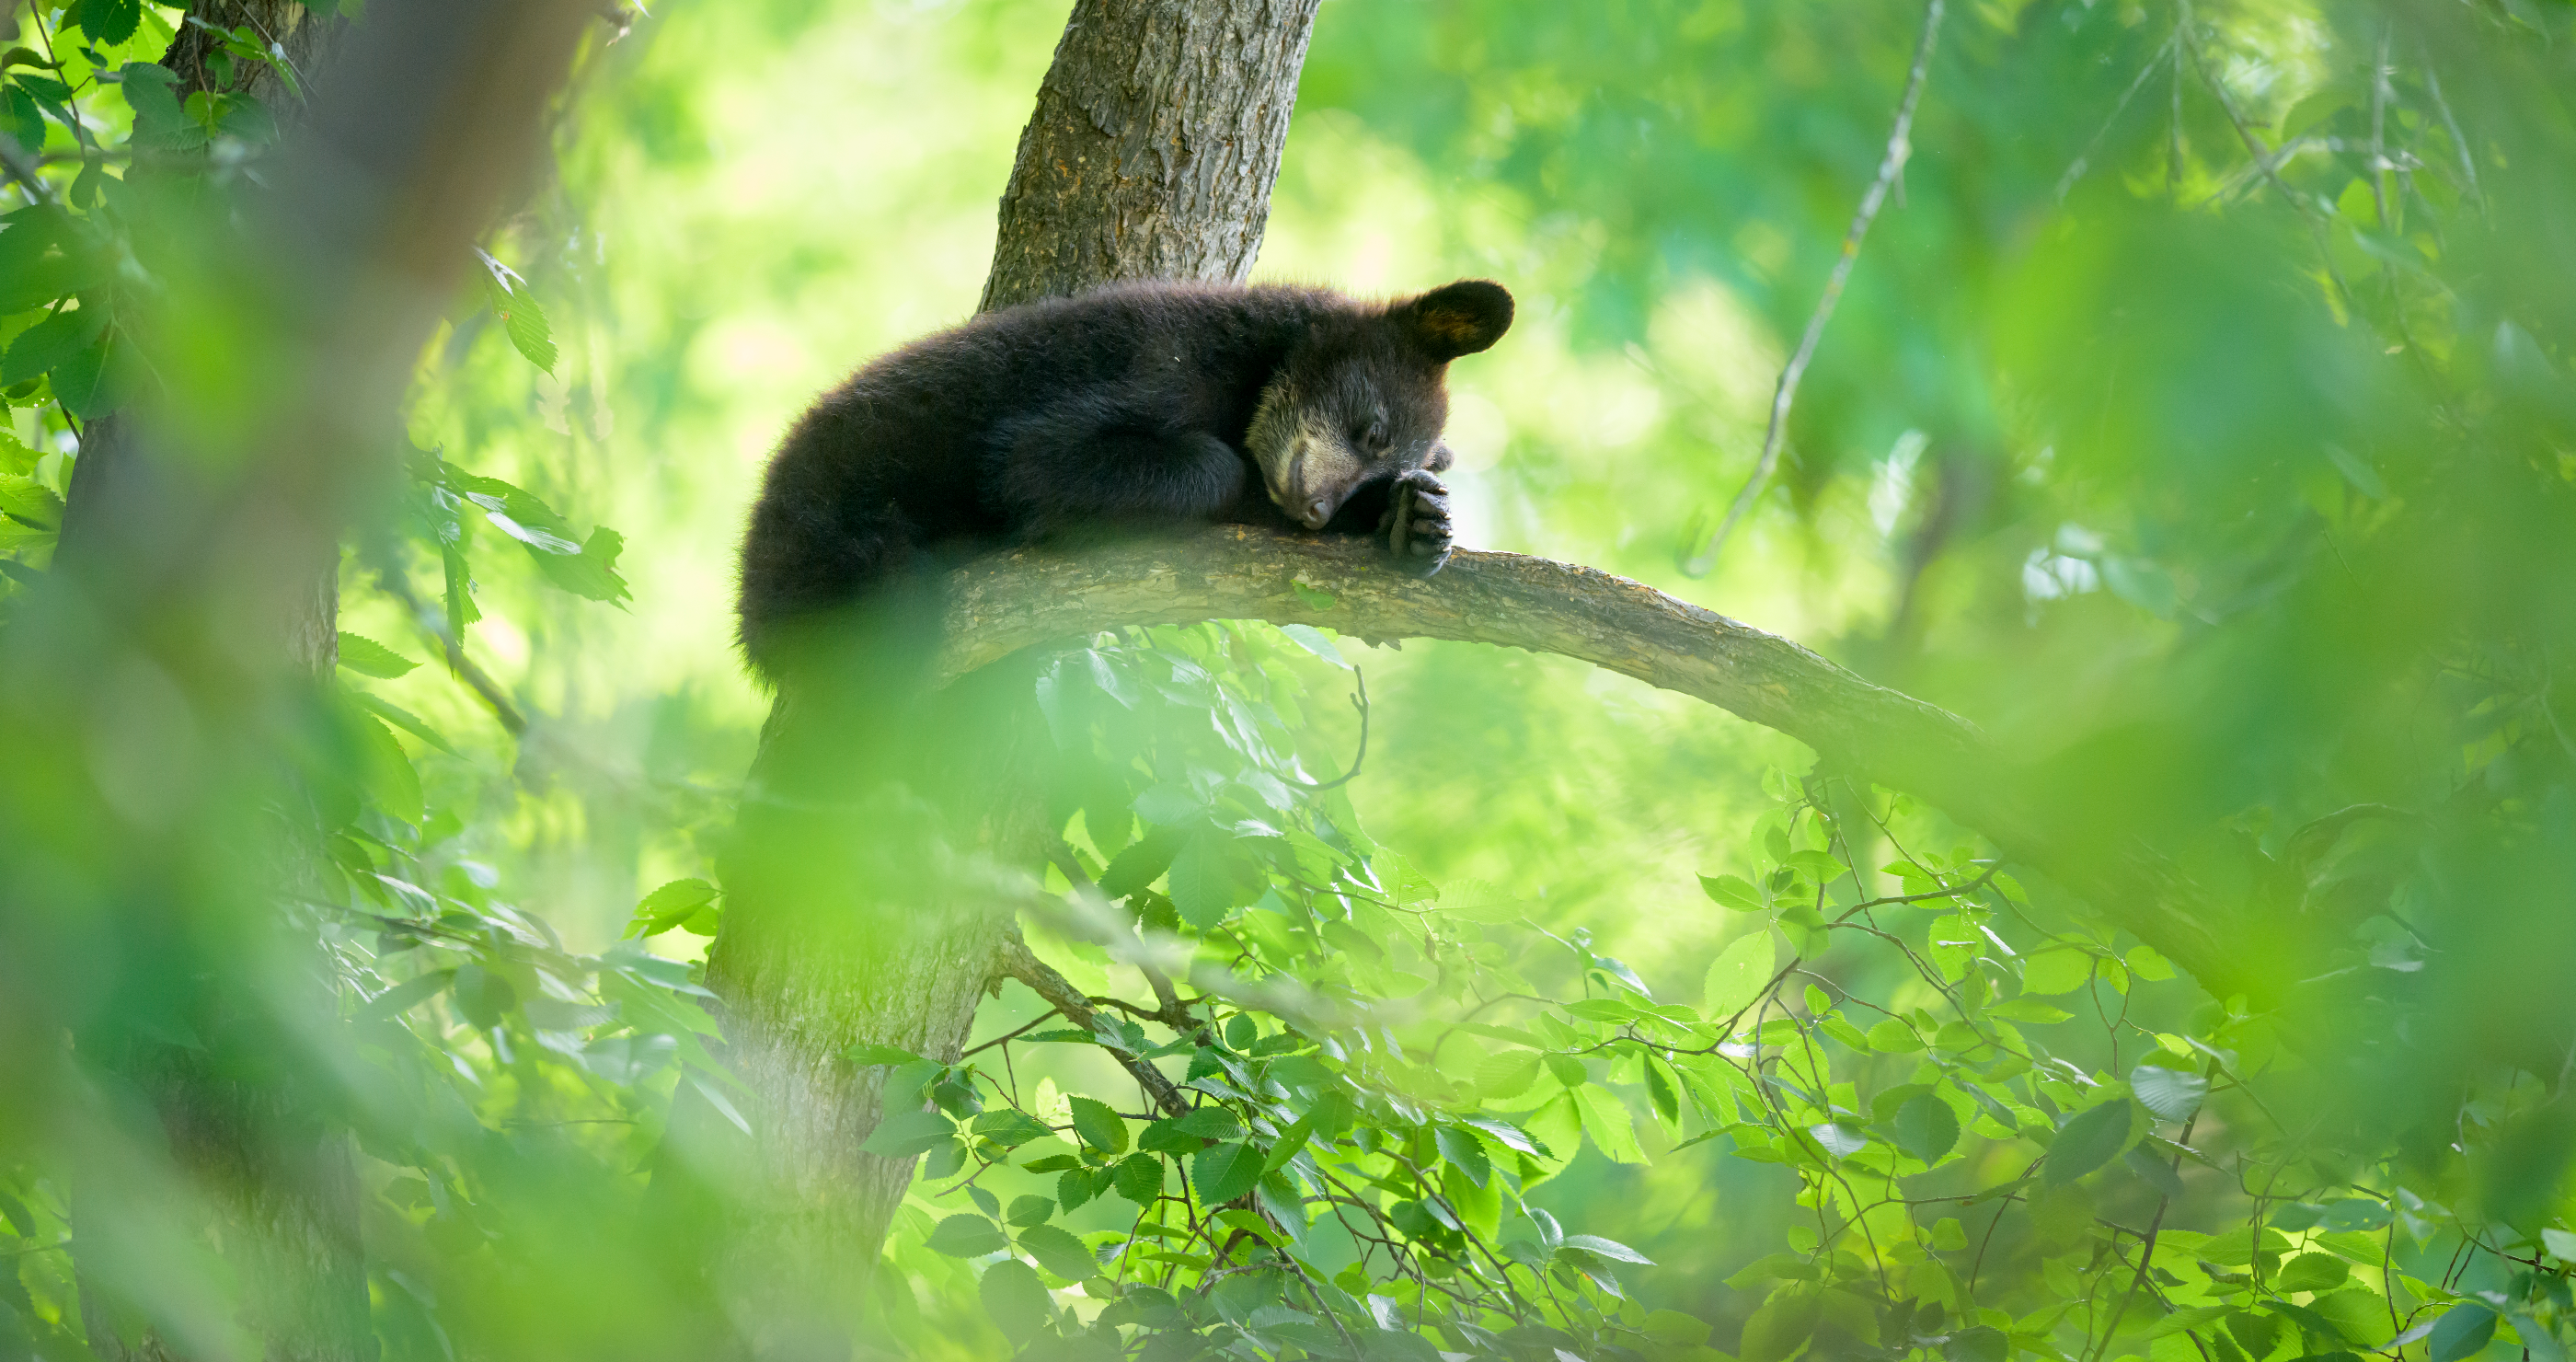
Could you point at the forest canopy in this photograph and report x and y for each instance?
(2107, 899)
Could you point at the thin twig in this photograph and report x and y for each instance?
(465, 668)
(22, 168)
(1899, 147)
(2084, 159)
(1361, 703)
(2468, 163)
(2263, 157)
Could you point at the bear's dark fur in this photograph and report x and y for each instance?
(1136, 406)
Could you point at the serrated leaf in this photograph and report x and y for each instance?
(48, 343)
(1607, 1122)
(967, 1236)
(1139, 1178)
(1202, 884)
(1076, 1186)
(1926, 1127)
(2312, 1272)
(2154, 1172)
(522, 320)
(1507, 1073)
(1059, 1252)
(1464, 1151)
(679, 900)
(1840, 1139)
(406, 995)
(1738, 976)
(2172, 1094)
(1099, 1125)
(367, 657)
(110, 21)
(2088, 1140)
(1009, 1128)
(1222, 1172)
(1208, 1123)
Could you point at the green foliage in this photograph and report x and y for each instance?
(2231, 493)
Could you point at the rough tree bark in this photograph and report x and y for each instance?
(1154, 145)
(1151, 155)
(186, 539)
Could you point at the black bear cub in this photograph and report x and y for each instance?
(1136, 406)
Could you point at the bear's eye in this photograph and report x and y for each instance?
(1370, 435)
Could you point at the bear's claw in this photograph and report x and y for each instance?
(1420, 535)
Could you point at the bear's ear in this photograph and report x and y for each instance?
(1457, 319)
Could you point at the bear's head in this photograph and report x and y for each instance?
(1362, 398)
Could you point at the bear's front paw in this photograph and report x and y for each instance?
(1420, 535)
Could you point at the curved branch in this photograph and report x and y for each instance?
(1000, 604)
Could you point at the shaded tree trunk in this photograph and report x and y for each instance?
(848, 919)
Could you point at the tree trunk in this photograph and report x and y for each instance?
(1153, 148)
(848, 919)
(215, 1197)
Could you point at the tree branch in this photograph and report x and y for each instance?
(1027, 597)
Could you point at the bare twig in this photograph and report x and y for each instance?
(1361, 703)
(2262, 154)
(2468, 163)
(2084, 159)
(1900, 146)
(1016, 960)
(22, 168)
(465, 668)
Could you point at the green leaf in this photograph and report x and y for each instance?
(2062, 970)
(404, 996)
(387, 771)
(522, 320)
(1980, 1344)
(2029, 1010)
(908, 1134)
(1059, 1252)
(48, 343)
(1314, 598)
(1607, 1248)
(1099, 1125)
(676, 902)
(367, 657)
(1313, 640)
(1029, 1210)
(1464, 1151)
(90, 382)
(2154, 1172)
(1926, 1128)
(967, 1236)
(1738, 976)
(1009, 1128)
(1220, 1173)
(1506, 1073)
(1607, 1121)
(407, 721)
(2463, 1332)
(590, 573)
(2312, 1272)
(1840, 1138)
(2088, 1140)
(1139, 1178)
(1203, 885)
(1077, 1185)
(2172, 1094)
(2560, 1243)
(1734, 891)
(1784, 1324)
(1016, 1300)
(110, 21)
